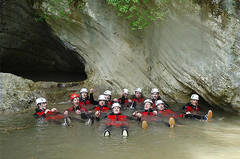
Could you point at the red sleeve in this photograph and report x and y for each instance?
(70, 109)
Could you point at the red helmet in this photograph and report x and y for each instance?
(74, 95)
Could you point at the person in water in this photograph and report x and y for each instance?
(147, 115)
(163, 110)
(137, 98)
(108, 95)
(192, 109)
(115, 119)
(124, 99)
(84, 98)
(43, 112)
(101, 107)
(78, 109)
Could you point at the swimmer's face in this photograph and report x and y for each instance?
(84, 95)
(75, 101)
(194, 102)
(160, 107)
(147, 106)
(138, 94)
(101, 102)
(155, 95)
(108, 97)
(125, 95)
(42, 105)
(116, 110)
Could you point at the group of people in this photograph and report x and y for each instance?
(105, 108)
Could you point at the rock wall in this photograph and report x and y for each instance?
(188, 52)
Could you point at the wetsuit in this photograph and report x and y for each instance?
(136, 101)
(84, 112)
(123, 100)
(169, 113)
(148, 115)
(191, 108)
(116, 120)
(40, 113)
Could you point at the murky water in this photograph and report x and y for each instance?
(23, 137)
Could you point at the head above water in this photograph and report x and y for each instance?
(194, 99)
(41, 103)
(138, 92)
(102, 100)
(116, 108)
(83, 93)
(160, 105)
(75, 99)
(108, 94)
(148, 104)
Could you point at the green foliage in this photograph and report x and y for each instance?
(58, 8)
(140, 13)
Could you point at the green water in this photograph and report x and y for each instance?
(23, 137)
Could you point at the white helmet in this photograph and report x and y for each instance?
(159, 102)
(116, 105)
(155, 90)
(107, 92)
(148, 101)
(102, 97)
(125, 91)
(83, 90)
(138, 90)
(40, 100)
(194, 97)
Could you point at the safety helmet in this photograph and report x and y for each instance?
(125, 91)
(159, 102)
(74, 95)
(40, 100)
(155, 90)
(138, 90)
(116, 105)
(107, 92)
(194, 97)
(102, 97)
(148, 101)
(83, 90)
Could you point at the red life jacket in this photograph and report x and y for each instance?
(124, 102)
(40, 113)
(73, 109)
(116, 120)
(102, 108)
(168, 113)
(84, 102)
(50, 115)
(54, 116)
(148, 115)
(191, 109)
(138, 100)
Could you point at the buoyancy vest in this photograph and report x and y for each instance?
(102, 108)
(73, 109)
(138, 100)
(84, 102)
(49, 116)
(169, 113)
(116, 120)
(191, 108)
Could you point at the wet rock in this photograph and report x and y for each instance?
(186, 53)
(16, 93)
